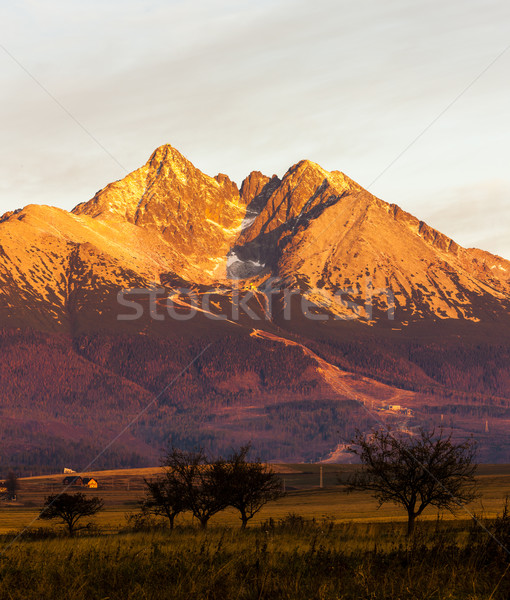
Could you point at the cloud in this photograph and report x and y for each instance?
(475, 216)
(237, 85)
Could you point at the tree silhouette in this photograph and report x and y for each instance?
(191, 472)
(246, 486)
(70, 508)
(166, 496)
(415, 472)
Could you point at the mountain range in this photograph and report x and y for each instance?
(287, 311)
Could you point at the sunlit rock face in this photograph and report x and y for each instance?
(325, 230)
(313, 227)
(198, 215)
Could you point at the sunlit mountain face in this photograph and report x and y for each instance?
(313, 307)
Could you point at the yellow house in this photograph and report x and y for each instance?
(90, 482)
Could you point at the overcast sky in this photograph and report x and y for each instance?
(239, 85)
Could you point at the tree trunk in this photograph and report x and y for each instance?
(410, 523)
(171, 518)
(203, 522)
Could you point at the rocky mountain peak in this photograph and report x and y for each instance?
(305, 190)
(252, 186)
(313, 226)
(198, 214)
(169, 155)
(305, 165)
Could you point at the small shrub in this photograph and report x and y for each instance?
(144, 521)
(490, 542)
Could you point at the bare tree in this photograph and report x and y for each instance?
(205, 487)
(191, 472)
(246, 486)
(415, 471)
(166, 496)
(70, 508)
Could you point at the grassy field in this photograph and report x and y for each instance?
(294, 560)
(121, 491)
(314, 544)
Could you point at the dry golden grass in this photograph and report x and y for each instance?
(122, 489)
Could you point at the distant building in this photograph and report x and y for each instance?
(90, 482)
(400, 409)
(5, 494)
(73, 480)
(68, 471)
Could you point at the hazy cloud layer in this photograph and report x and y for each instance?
(238, 85)
(479, 215)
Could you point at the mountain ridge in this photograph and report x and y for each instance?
(363, 293)
(315, 226)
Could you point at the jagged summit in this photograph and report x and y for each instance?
(313, 226)
(167, 183)
(169, 155)
(197, 214)
(253, 186)
(306, 165)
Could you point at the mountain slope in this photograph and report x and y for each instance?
(325, 230)
(292, 369)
